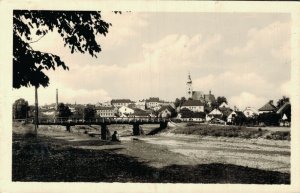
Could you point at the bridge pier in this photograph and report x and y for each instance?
(105, 134)
(137, 130)
(68, 128)
(163, 125)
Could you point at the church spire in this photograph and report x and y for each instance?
(189, 79)
(189, 87)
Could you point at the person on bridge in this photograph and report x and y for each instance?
(115, 137)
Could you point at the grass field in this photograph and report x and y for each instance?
(232, 131)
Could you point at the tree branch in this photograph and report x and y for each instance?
(36, 40)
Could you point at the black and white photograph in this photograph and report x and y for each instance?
(157, 97)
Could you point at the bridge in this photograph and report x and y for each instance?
(104, 122)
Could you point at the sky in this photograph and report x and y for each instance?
(242, 56)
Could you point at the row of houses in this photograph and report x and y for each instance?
(195, 110)
(190, 110)
(133, 111)
(153, 103)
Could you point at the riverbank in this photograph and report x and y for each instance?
(231, 131)
(57, 155)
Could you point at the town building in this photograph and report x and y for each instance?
(141, 104)
(285, 114)
(267, 108)
(125, 111)
(104, 104)
(193, 105)
(188, 115)
(121, 102)
(234, 115)
(250, 112)
(152, 102)
(215, 113)
(139, 113)
(166, 111)
(224, 105)
(105, 111)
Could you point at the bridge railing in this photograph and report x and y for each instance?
(104, 120)
(65, 120)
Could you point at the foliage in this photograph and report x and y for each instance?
(179, 102)
(268, 118)
(221, 99)
(63, 110)
(20, 109)
(231, 131)
(283, 100)
(78, 29)
(89, 112)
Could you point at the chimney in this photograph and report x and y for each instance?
(209, 92)
(56, 99)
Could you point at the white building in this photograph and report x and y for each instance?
(250, 112)
(141, 104)
(152, 102)
(124, 111)
(233, 115)
(193, 105)
(105, 111)
(224, 105)
(121, 102)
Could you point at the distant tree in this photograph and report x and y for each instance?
(214, 104)
(63, 110)
(89, 112)
(179, 102)
(218, 102)
(221, 99)
(281, 101)
(78, 29)
(251, 121)
(20, 109)
(268, 118)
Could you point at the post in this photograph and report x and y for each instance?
(68, 127)
(36, 111)
(104, 131)
(136, 129)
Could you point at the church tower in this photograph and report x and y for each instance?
(189, 91)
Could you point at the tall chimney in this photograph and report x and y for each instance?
(56, 99)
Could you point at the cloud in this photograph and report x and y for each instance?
(229, 82)
(125, 27)
(143, 56)
(269, 40)
(66, 94)
(180, 50)
(246, 99)
(286, 88)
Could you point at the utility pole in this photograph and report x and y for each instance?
(56, 106)
(36, 110)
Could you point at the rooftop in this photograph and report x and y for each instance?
(268, 107)
(153, 99)
(121, 101)
(192, 103)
